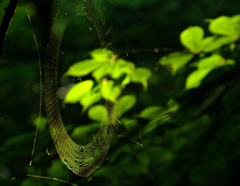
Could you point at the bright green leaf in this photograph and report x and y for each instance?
(192, 38)
(78, 90)
(223, 26)
(204, 67)
(196, 77)
(176, 60)
(101, 53)
(150, 112)
(88, 99)
(122, 67)
(210, 62)
(236, 19)
(141, 75)
(212, 43)
(97, 112)
(109, 91)
(125, 103)
(99, 73)
(126, 80)
(84, 68)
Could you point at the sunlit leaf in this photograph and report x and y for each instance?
(192, 38)
(141, 75)
(223, 26)
(195, 78)
(125, 103)
(78, 90)
(101, 53)
(204, 67)
(236, 19)
(85, 67)
(150, 112)
(109, 91)
(89, 99)
(121, 67)
(97, 112)
(126, 81)
(212, 43)
(99, 73)
(176, 60)
(210, 62)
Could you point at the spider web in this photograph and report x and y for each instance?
(81, 160)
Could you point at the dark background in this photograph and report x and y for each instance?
(199, 151)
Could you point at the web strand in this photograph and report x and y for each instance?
(40, 107)
(51, 178)
(145, 155)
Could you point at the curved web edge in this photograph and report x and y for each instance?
(81, 160)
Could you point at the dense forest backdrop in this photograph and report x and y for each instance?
(198, 146)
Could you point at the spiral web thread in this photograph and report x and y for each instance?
(81, 160)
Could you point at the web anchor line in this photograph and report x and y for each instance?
(81, 160)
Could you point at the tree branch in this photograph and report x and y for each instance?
(9, 12)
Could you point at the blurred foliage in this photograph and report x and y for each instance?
(188, 118)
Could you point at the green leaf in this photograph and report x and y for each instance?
(99, 73)
(172, 105)
(236, 19)
(195, 78)
(78, 90)
(97, 112)
(129, 124)
(210, 62)
(83, 130)
(89, 99)
(122, 67)
(109, 91)
(16, 140)
(126, 80)
(212, 43)
(204, 67)
(141, 75)
(223, 26)
(150, 112)
(192, 38)
(125, 103)
(85, 67)
(176, 60)
(101, 54)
